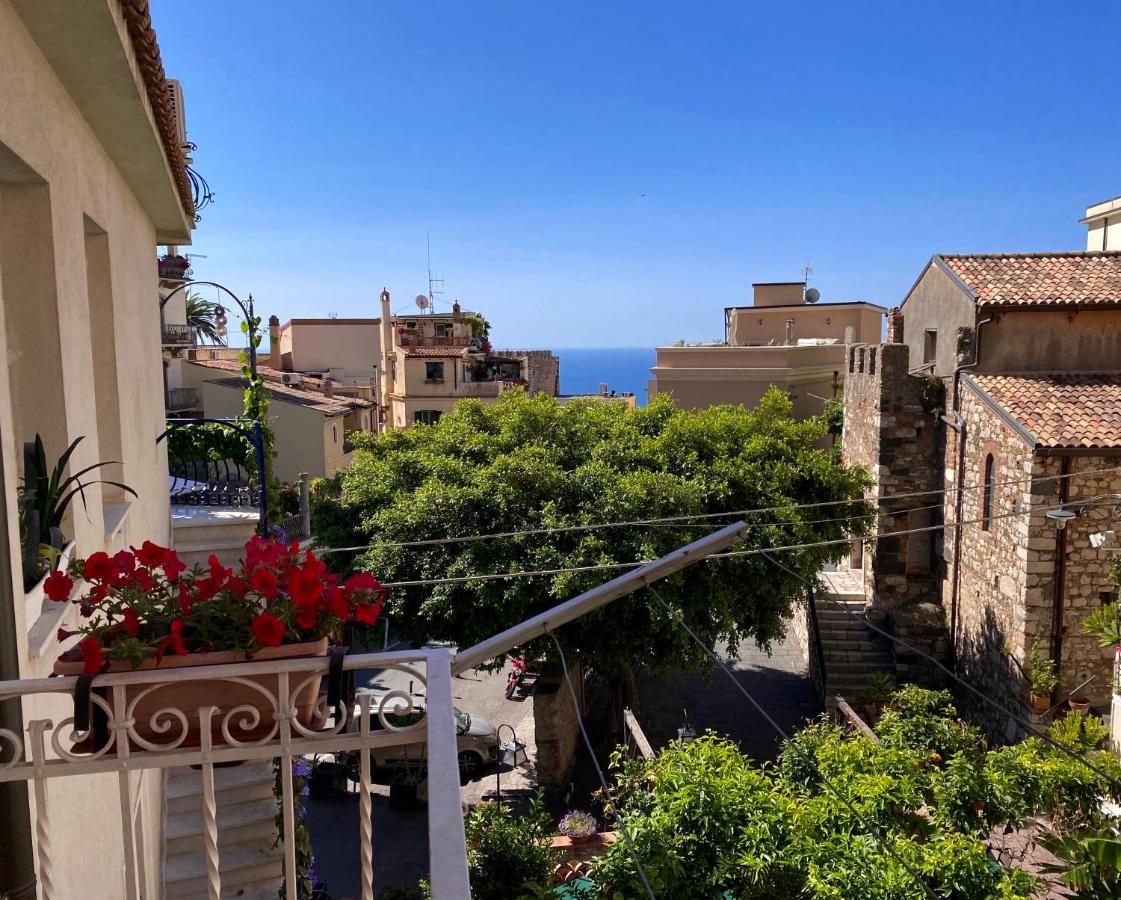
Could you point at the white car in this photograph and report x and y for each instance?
(476, 742)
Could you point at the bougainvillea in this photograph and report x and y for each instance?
(144, 602)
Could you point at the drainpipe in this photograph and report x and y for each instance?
(17, 860)
(1060, 574)
(959, 500)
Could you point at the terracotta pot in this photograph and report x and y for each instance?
(1040, 702)
(1079, 704)
(582, 838)
(189, 696)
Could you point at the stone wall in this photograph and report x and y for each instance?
(541, 370)
(801, 627)
(557, 731)
(1007, 579)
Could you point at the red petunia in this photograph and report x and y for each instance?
(58, 586)
(143, 580)
(268, 630)
(91, 655)
(173, 566)
(125, 563)
(304, 587)
(219, 574)
(237, 587)
(307, 616)
(176, 638)
(99, 567)
(151, 555)
(336, 602)
(367, 612)
(363, 581)
(131, 621)
(263, 581)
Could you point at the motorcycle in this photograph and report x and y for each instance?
(516, 676)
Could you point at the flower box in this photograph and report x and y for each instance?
(34, 597)
(154, 713)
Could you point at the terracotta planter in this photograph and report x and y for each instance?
(1040, 702)
(1079, 704)
(189, 696)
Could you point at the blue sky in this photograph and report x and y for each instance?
(615, 173)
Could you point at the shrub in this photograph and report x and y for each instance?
(509, 856)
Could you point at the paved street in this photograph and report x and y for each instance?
(401, 836)
(779, 682)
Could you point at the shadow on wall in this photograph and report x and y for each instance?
(986, 662)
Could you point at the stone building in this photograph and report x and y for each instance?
(1026, 350)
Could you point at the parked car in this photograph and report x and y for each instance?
(476, 742)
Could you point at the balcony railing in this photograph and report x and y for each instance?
(135, 727)
(412, 339)
(210, 462)
(178, 336)
(179, 399)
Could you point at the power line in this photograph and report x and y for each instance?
(599, 772)
(871, 828)
(981, 694)
(754, 551)
(665, 520)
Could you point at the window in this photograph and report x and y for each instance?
(930, 346)
(426, 416)
(434, 371)
(443, 329)
(990, 493)
(410, 326)
(335, 433)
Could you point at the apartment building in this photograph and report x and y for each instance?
(92, 180)
(785, 339)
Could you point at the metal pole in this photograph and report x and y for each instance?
(305, 505)
(262, 488)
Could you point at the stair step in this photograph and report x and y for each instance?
(860, 667)
(239, 864)
(237, 823)
(239, 784)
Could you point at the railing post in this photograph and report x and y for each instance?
(305, 506)
(447, 850)
(262, 476)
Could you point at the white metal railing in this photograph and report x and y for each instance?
(142, 733)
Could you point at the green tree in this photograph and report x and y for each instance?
(201, 316)
(528, 462)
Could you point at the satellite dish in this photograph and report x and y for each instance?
(812, 295)
(422, 301)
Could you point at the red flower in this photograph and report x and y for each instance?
(143, 580)
(125, 562)
(185, 598)
(205, 588)
(151, 555)
(304, 587)
(176, 638)
(99, 567)
(131, 621)
(91, 655)
(307, 616)
(268, 630)
(58, 586)
(173, 566)
(367, 612)
(263, 581)
(363, 581)
(219, 574)
(237, 587)
(336, 602)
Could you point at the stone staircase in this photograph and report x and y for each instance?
(251, 866)
(853, 652)
(198, 531)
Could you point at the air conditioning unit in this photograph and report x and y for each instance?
(290, 378)
(175, 100)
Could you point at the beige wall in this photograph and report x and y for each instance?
(761, 325)
(1103, 225)
(1052, 340)
(353, 345)
(938, 303)
(79, 325)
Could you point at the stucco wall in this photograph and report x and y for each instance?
(937, 302)
(760, 325)
(353, 345)
(1051, 341)
(57, 186)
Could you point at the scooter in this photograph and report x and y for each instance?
(516, 676)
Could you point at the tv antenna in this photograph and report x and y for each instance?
(807, 271)
(332, 315)
(434, 281)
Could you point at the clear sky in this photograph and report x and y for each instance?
(615, 173)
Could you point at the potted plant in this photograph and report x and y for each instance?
(1041, 678)
(578, 826)
(173, 266)
(874, 698)
(144, 610)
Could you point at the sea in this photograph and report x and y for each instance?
(584, 369)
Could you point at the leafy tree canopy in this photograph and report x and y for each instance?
(528, 462)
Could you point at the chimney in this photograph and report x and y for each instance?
(386, 373)
(790, 331)
(457, 312)
(895, 325)
(274, 342)
(328, 387)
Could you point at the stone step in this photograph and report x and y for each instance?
(203, 524)
(857, 667)
(239, 784)
(845, 656)
(239, 865)
(262, 889)
(237, 823)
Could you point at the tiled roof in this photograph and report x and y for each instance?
(138, 20)
(1060, 409)
(435, 352)
(337, 404)
(1039, 279)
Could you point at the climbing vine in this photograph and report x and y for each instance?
(255, 407)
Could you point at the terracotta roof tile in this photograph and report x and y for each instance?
(1060, 409)
(310, 396)
(1039, 279)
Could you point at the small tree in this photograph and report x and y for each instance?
(509, 856)
(202, 317)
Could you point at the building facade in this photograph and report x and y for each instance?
(781, 340)
(996, 400)
(92, 180)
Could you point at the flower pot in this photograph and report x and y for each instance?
(1079, 704)
(1040, 702)
(328, 780)
(144, 703)
(582, 838)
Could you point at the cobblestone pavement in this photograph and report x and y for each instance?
(780, 682)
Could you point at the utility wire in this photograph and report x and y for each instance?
(872, 829)
(599, 772)
(1109, 779)
(754, 551)
(560, 529)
